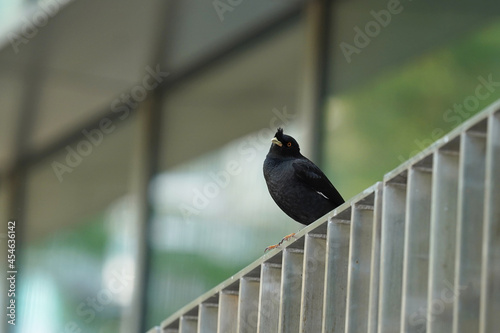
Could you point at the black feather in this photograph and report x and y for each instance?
(296, 184)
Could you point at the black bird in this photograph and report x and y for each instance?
(296, 184)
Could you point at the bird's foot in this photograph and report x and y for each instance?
(269, 248)
(286, 238)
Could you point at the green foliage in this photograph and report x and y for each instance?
(375, 127)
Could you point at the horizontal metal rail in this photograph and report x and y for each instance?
(417, 252)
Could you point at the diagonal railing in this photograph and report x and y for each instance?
(417, 252)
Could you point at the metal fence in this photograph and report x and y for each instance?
(418, 252)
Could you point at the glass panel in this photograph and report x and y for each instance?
(420, 71)
(81, 277)
(208, 25)
(81, 179)
(76, 269)
(233, 99)
(213, 213)
(52, 61)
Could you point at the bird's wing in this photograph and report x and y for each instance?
(315, 179)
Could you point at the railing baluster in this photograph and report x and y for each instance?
(228, 311)
(207, 320)
(358, 283)
(311, 311)
(416, 254)
(375, 260)
(391, 254)
(490, 291)
(248, 308)
(269, 297)
(470, 229)
(189, 324)
(291, 288)
(438, 313)
(337, 262)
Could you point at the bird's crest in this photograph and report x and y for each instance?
(279, 134)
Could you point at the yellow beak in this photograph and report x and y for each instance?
(276, 142)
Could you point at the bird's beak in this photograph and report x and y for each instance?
(276, 142)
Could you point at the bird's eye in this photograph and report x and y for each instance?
(289, 144)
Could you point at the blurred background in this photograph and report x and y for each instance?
(132, 133)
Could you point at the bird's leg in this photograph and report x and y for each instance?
(286, 238)
(269, 248)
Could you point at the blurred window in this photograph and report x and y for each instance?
(77, 264)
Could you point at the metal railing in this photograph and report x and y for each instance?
(418, 252)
